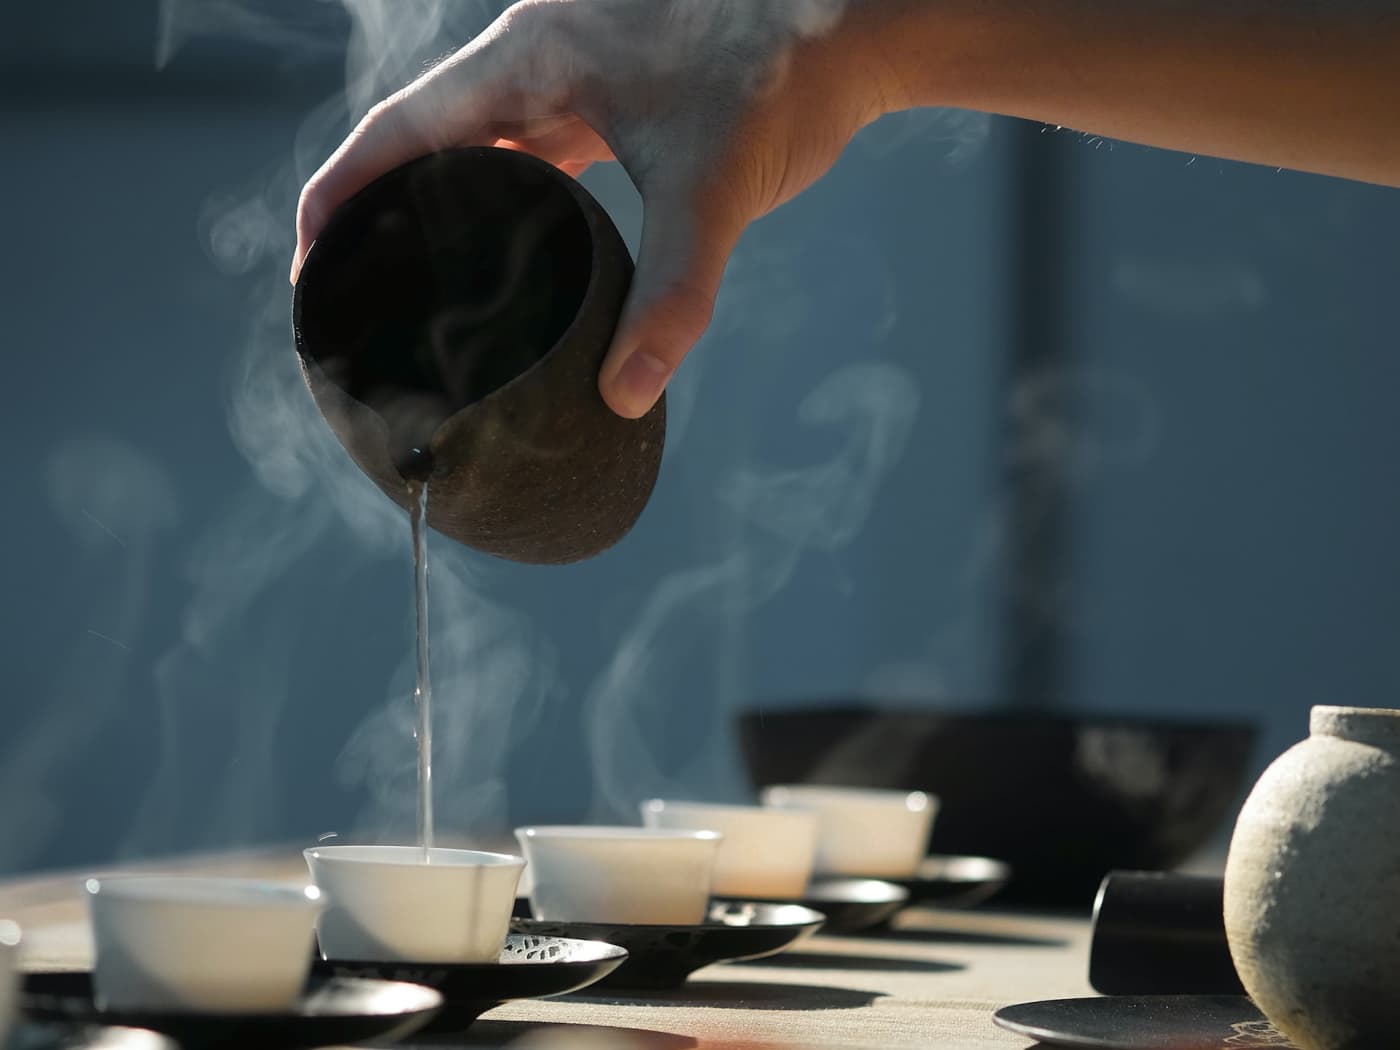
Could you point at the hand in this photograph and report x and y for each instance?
(719, 110)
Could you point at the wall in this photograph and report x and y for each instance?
(208, 610)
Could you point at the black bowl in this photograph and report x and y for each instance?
(853, 905)
(1063, 799)
(663, 956)
(332, 1011)
(955, 882)
(39, 1035)
(529, 967)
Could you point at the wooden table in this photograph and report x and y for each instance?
(933, 981)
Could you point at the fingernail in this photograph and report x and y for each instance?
(296, 267)
(639, 382)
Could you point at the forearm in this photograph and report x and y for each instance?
(1292, 83)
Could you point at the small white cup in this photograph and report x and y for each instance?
(9, 974)
(394, 904)
(766, 853)
(863, 831)
(182, 942)
(619, 874)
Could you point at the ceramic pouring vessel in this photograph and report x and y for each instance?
(451, 321)
(1312, 883)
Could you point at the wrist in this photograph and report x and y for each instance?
(927, 52)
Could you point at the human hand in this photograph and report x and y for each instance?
(719, 110)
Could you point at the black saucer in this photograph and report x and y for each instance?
(1145, 1022)
(333, 1011)
(37, 1035)
(852, 905)
(529, 967)
(664, 956)
(948, 881)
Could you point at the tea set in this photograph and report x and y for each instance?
(450, 324)
(384, 940)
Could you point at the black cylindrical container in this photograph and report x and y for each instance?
(1157, 933)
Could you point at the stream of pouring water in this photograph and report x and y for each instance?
(423, 691)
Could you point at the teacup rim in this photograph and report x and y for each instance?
(389, 855)
(914, 801)
(210, 891)
(737, 809)
(616, 832)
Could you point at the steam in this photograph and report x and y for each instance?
(227, 672)
(788, 513)
(116, 503)
(1067, 430)
(494, 673)
(265, 22)
(962, 133)
(823, 507)
(1190, 290)
(492, 677)
(239, 234)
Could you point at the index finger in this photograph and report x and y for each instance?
(445, 107)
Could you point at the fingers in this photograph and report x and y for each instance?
(685, 246)
(447, 106)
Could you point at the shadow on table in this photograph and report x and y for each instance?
(546, 1034)
(748, 995)
(933, 935)
(849, 961)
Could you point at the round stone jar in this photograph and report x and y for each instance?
(1312, 884)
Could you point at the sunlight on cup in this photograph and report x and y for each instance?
(193, 943)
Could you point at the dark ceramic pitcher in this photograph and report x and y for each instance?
(451, 320)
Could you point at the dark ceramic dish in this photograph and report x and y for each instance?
(35, 1035)
(451, 320)
(530, 967)
(664, 956)
(955, 882)
(853, 905)
(333, 1011)
(1148, 1022)
(1061, 799)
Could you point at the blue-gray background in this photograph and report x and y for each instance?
(206, 612)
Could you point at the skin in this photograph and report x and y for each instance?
(722, 110)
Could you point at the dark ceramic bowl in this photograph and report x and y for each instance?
(451, 321)
(853, 905)
(332, 1011)
(1062, 799)
(529, 967)
(663, 956)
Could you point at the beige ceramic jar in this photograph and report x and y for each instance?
(1312, 884)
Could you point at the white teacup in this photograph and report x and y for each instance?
(863, 831)
(398, 904)
(182, 942)
(766, 853)
(619, 874)
(9, 974)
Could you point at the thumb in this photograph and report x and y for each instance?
(685, 246)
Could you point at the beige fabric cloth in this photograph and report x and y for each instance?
(932, 982)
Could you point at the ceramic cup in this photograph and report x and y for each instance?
(9, 974)
(619, 874)
(766, 853)
(863, 831)
(387, 904)
(177, 942)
